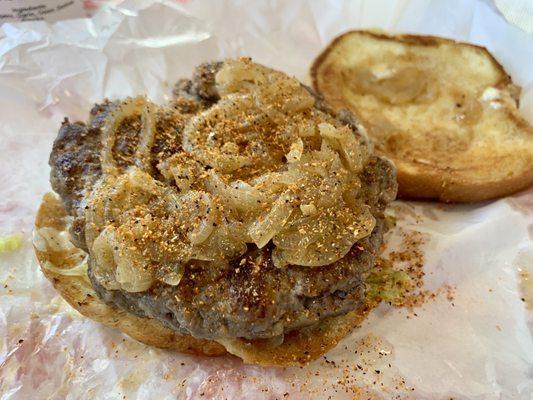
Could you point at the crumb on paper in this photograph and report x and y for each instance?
(526, 287)
(364, 372)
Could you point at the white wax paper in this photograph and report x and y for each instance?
(477, 346)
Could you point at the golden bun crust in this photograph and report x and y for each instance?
(78, 292)
(445, 112)
(298, 347)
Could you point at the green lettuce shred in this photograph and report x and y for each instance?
(10, 243)
(388, 285)
(390, 220)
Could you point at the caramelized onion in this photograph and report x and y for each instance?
(266, 227)
(128, 108)
(260, 166)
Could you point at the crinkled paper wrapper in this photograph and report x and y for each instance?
(474, 346)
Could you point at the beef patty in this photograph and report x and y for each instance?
(249, 296)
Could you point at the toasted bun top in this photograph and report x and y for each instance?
(445, 112)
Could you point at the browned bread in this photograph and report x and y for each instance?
(445, 112)
(62, 264)
(78, 292)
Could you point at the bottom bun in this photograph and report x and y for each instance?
(60, 262)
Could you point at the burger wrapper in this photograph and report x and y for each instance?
(471, 341)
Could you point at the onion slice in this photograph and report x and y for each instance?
(265, 228)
